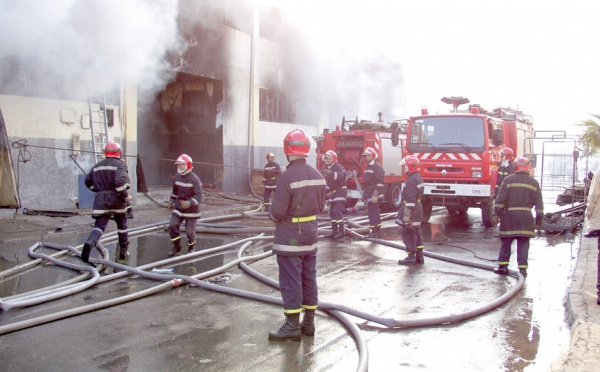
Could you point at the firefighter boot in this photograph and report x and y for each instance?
(123, 252)
(307, 327)
(410, 260)
(340, 231)
(191, 248)
(523, 272)
(501, 270)
(87, 248)
(334, 230)
(375, 232)
(176, 248)
(290, 330)
(419, 257)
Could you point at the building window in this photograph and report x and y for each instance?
(277, 107)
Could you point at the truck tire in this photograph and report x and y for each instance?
(427, 207)
(392, 197)
(487, 214)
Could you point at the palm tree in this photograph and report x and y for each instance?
(590, 138)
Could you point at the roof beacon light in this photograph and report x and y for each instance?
(474, 110)
(424, 111)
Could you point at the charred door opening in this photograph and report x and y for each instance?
(185, 118)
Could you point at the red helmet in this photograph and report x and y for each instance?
(370, 151)
(522, 164)
(270, 155)
(332, 154)
(185, 159)
(296, 142)
(112, 150)
(412, 162)
(508, 153)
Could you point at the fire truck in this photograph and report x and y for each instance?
(459, 154)
(350, 141)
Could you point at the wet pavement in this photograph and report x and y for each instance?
(191, 328)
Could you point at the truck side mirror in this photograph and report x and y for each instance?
(497, 139)
(395, 137)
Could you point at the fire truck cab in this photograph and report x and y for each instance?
(459, 154)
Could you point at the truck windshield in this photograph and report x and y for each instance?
(447, 133)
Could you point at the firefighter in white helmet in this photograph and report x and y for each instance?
(270, 174)
(185, 204)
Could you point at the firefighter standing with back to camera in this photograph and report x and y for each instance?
(185, 204)
(269, 181)
(335, 176)
(299, 197)
(373, 181)
(518, 194)
(410, 214)
(109, 180)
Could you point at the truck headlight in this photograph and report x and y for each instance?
(476, 172)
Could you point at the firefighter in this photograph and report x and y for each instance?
(109, 180)
(373, 181)
(185, 204)
(506, 167)
(592, 220)
(299, 197)
(335, 176)
(410, 214)
(518, 194)
(269, 181)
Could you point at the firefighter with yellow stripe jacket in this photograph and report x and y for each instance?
(185, 204)
(518, 194)
(410, 214)
(373, 182)
(299, 197)
(335, 176)
(109, 180)
(270, 174)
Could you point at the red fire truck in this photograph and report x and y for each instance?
(349, 142)
(459, 154)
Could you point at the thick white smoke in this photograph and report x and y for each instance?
(119, 40)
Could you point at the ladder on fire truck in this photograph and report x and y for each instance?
(98, 118)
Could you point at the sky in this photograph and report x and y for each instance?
(541, 57)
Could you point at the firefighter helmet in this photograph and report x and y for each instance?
(522, 164)
(112, 150)
(296, 142)
(370, 151)
(332, 154)
(412, 163)
(508, 153)
(185, 159)
(270, 155)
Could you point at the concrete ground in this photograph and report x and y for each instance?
(584, 313)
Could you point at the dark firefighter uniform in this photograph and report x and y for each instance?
(186, 187)
(270, 173)
(373, 180)
(299, 197)
(504, 170)
(335, 176)
(109, 180)
(518, 194)
(410, 217)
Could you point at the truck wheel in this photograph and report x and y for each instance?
(392, 197)
(427, 207)
(487, 214)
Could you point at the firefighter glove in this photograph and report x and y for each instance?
(374, 199)
(539, 219)
(171, 203)
(185, 204)
(328, 196)
(406, 216)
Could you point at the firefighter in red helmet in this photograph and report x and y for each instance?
(335, 176)
(410, 214)
(518, 194)
(299, 197)
(270, 173)
(506, 167)
(185, 204)
(373, 182)
(109, 180)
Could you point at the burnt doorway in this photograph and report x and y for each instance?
(185, 118)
